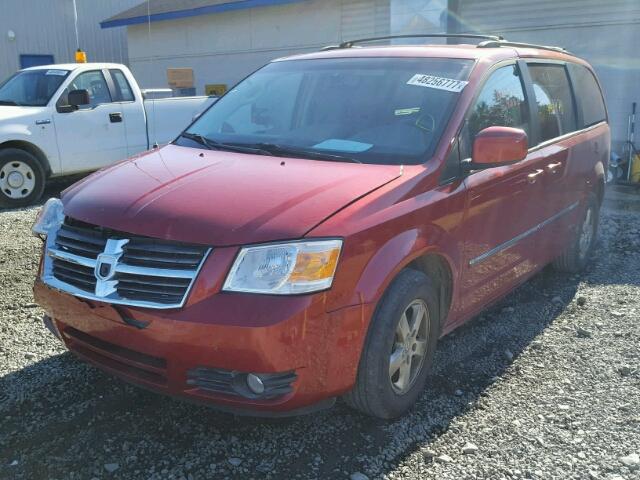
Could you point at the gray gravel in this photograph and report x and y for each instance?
(545, 385)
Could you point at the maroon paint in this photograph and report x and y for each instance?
(388, 216)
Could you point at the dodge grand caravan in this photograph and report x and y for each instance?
(316, 231)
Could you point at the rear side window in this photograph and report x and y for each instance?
(501, 103)
(553, 99)
(588, 95)
(123, 88)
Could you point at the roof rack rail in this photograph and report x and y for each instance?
(505, 43)
(351, 43)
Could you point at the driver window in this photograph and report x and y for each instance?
(501, 103)
(94, 83)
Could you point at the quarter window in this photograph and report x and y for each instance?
(554, 101)
(588, 95)
(123, 88)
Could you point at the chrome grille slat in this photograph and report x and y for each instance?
(74, 280)
(75, 234)
(78, 247)
(158, 281)
(157, 298)
(141, 271)
(155, 247)
(134, 259)
(163, 290)
(74, 268)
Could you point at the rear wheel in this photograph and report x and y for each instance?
(21, 178)
(579, 252)
(399, 348)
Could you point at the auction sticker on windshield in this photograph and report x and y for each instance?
(441, 83)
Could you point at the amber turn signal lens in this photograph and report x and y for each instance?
(312, 266)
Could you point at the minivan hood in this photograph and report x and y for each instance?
(220, 198)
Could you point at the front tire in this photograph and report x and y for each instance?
(399, 348)
(22, 178)
(576, 257)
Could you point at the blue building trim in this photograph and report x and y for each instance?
(194, 12)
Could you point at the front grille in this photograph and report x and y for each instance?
(233, 383)
(141, 271)
(77, 275)
(80, 240)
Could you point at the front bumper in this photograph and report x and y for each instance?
(230, 332)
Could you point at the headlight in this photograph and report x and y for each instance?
(286, 268)
(49, 216)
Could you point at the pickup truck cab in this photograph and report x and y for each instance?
(318, 229)
(43, 134)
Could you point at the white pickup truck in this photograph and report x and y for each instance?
(65, 119)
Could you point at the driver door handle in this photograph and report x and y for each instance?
(533, 177)
(115, 117)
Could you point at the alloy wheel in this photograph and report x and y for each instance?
(586, 234)
(409, 347)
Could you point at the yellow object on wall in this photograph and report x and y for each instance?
(216, 89)
(635, 169)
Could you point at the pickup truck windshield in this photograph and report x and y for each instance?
(31, 88)
(369, 110)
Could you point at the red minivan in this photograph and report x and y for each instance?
(318, 229)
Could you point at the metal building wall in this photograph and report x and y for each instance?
(225, 47)
(46, 27)
(604, 32)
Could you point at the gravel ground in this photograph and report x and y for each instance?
(545, 385)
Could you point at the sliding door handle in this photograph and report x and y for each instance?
(554, 167)
(533, 177)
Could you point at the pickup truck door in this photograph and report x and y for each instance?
(94, 135)
(132, 108)
(505, 205)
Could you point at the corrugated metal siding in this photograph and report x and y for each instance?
(46, 27)
(225, 47)
(364, 18)
(514, 15)
(605, 33)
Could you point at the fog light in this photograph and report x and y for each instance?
(255, 384)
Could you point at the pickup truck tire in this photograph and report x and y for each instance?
(576, 257)
(22, 178)
(382, 389)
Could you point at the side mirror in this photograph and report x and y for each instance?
(496, 146)
(78, 98)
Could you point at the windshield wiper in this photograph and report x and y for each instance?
(211, 144)
(9, 102)
(281, 150)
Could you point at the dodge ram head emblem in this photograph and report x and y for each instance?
(106, 266)
(105, 269)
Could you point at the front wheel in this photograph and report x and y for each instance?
(399, 348)
(579, 252)
(21, 178)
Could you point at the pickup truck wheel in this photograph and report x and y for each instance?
(399, 348)
(579, 252)
(21, 178)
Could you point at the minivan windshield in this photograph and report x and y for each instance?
(31, 88)
(368, 110)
